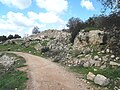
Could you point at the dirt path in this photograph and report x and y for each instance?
(46, 75)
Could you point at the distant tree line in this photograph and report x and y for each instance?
(4, 38)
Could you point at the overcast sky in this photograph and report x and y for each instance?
(20, 16)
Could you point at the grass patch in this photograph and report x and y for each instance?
(108, 72)
(111, 73)
(20, 62)
(12, 78)
(9, 46)
(44, 43)
(20, 48)
(90, 28)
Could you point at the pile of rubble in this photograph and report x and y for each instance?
(7, 61)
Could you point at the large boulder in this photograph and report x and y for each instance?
(101, 80)
(92, 37)
(96, 37)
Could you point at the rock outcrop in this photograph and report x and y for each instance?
(84, 52)
(7, 61)
(84, 38)
(51, 34)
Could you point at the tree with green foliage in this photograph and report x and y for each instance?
(3, 38)
(112, 25)
(16, 36)
(74, 25)
(35, 30)
(114, 5)
(90, 22)
(10, 36)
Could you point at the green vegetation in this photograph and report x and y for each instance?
(74, 25)
(108, 72)
(12, 78)
(90, 28)
(19, 48)
(112, 73)
(44, 43)
(20, 63)
(4, 38)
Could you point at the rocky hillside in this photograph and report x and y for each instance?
(87, 51)
(87, 47)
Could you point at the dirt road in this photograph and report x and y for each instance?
(46, 75)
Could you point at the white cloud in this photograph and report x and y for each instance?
(57, 6)
(19, 19)
(20, 24)
(21, 4)
(87, 4)
(6, 2)
(53, 8)
(48, 17)
(12, 22)
(32, 15)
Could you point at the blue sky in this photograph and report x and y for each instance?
(20, 16)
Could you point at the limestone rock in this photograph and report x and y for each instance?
(117, 58)
(112, 56)
(92, 37)
(101, 80)
(95, 63)
(86, 64)
(96, 57)
(103, 67)
(38, 46)
(90, 76)
(6, 60)
(103, 51)
(114, 63)
(107, 50)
